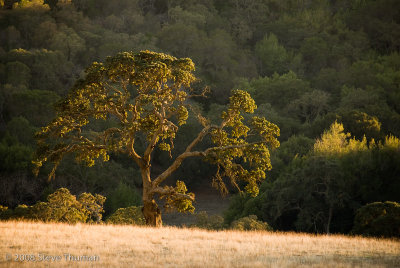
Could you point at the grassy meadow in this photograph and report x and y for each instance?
(57, 244)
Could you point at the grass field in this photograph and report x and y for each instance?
(29, 244)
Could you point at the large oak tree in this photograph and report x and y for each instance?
(145, 97)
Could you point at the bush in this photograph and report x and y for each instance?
(19, 213)
(62, 206)
(5, 213)
(378, 219)
(22, 212)
(130, 215)
(92, 205)
(123, 196)
(41, 211)
(250, 223)
(3, 209)
(204, 221)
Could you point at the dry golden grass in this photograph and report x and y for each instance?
(130, 246)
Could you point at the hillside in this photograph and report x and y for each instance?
(127, 246)
(326, 73)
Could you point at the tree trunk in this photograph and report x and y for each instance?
(150, 210)
(328, 226)
(152, 213)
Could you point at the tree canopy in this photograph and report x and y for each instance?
(147, 94)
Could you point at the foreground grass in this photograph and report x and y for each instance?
(130, 246)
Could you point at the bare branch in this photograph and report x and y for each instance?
(115, 112)
(178, 161)
(108, 132)
(133, 153)
(206, 90)
(199, 137)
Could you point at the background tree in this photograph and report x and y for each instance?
(310, 105)
(271, 89)
(18, 74)
(147, 95)
(273, 56)
(321, 190)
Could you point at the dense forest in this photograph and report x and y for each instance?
(326, 72)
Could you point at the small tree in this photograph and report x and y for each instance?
(146, 95)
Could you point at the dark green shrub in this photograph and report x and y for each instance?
(123, 196)
(250, 223)
(204, 221)
(3, 209)
(130, 215)
(5, 213)
(41, 211)
(14, 156)
(378, 219)
(22, 212)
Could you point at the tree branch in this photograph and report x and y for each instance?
(170, 191)
(113, 89)
(115, 112)
(178, 161)
(132, 151)
(152, 144)
(206, 152)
